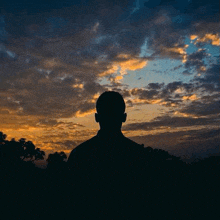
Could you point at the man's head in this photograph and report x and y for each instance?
(110, 108)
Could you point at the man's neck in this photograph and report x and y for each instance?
(109, 133)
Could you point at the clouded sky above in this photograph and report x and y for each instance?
(57, 57)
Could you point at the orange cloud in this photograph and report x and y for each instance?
(176, 51)
(125, 62)
(94, 98)
(214, 38)
(203, 68)
(179, 90)
(145, 101)
(112, 69)
(185, 115)
(192, 97)
(130, 64)
(116, 79)
(164, 103)
(193, 37)
(82, 114)
(80, 86)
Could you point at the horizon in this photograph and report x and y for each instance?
(163, 57)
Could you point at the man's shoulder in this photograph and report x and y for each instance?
(86, 144)
(86, 148)
(131, 147)
(132, 144)
(83, 147)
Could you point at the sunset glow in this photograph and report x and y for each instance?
(163, 58)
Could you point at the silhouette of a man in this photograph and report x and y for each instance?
(109, 149)
(106, 168)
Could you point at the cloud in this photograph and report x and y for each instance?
(58, 64)
(199, 97)
(190, 97)
(131, 64)
(145, 94)
(123, 63)
(189, 144)
(211, 76)
(155, 85)
(202, 109)
(215, 133)
(170, 95)
(207, 86)
(196, 61)
(213, 38)
(84, 113)
(170, 122)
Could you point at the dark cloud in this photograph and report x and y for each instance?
(171, 87)
(54, 123)
(189, 144)
(121, 29)
(199, 97)
(200, 144)
(167, 94)
(171, 122)
(211, 76)
(208, 86)
(155, 85)
(196, 60)
(215, 133)
(202, 109)
(186, 72)
(147, 94)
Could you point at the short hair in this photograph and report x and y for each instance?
(110, 102)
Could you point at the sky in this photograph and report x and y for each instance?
(57, 57)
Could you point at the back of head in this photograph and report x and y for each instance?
(110, 102)
(110, 108)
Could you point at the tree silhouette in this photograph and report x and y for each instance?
(2, 137)
(16, 151)
(57, 160)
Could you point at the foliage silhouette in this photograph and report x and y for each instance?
(15, 151)
(56, 158)
(56, 161)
